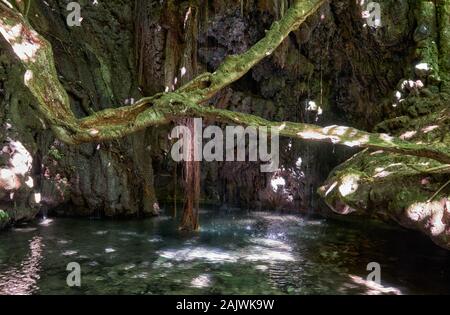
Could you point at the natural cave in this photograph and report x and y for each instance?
(358, 108)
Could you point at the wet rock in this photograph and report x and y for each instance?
(421, 33)
(388, 188)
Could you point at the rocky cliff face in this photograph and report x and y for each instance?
(333, 70)
(411, 191)
(96, 65)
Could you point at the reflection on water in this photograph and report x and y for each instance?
(234, 253)
(22, 280)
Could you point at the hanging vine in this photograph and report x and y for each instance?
(53, 103)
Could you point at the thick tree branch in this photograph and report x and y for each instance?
(35, 53)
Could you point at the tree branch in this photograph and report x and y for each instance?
(35, 53)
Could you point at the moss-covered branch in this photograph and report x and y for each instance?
(35, 53)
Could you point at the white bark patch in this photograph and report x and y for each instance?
(408, 135)
(357, 142)
(349, 184)
(25, 49)
(94, 132)
(314, 135)
(27, 77)
(277, 182)
(331, 188)
(429, 129)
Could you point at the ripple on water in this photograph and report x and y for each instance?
(70, 253)
(281, 254)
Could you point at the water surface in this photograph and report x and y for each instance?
(234, 253)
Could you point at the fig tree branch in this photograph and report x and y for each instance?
(36, 55)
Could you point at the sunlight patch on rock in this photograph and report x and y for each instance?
(357, 142)
(349, 184)
(25, 49)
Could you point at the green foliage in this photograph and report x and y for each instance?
(22, 6)
(444, 43)
(55, 154)
(4, 216)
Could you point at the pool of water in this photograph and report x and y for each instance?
(234, 253)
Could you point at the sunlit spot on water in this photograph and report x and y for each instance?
(155, 240)
(191, 242)
(202, 281)
(70, 253)
(129, 267)
(22, 280)
(282, 219)
(374, 288)
(268, 250)
(24, 230)
(129, 233)
(162, 264)
(280, 254)
(141, 275)
(46, 222)
(261, 267)
(270, 242)
(259, 253)
(213, 255)
(314, 222)
(161, 218)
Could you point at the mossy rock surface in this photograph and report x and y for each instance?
(4, 219)
(411, 191)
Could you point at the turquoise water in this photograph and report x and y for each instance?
(234, 253)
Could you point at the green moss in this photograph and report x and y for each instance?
(4, 218)
(426, 36)
(396, 187)
(4, 215)
(23, 6)
(104, 71)
(55, 154)
(444, 44)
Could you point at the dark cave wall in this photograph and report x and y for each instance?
(97, 67)
(413, 192)
(332, 70)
